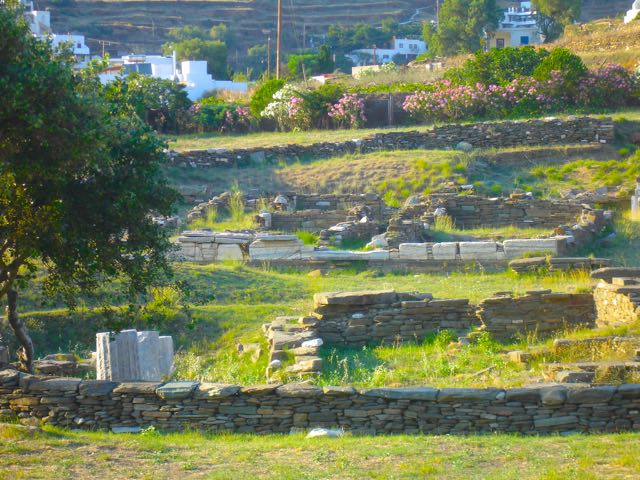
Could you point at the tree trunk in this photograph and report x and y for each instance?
(25, 354)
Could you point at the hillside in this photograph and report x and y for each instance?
(143, 25)
(604, 41)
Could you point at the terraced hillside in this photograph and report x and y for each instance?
(594, 9)
(604, 41)
(143, 25)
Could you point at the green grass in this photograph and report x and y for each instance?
(267, 139)
(57, 453)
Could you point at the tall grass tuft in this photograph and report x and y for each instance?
(444, 223)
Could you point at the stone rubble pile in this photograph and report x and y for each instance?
(133, 356)
(63, 365)
(590, 372)
(299, 340)
(533, 264)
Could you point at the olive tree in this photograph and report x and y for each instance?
(78, 179)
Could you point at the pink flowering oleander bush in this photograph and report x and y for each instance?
(289, 109)
(608, 87)
(348, 112)
(212, 114)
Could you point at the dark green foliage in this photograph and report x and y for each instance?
(311, 63)
(319, 100)
(561, 11)
(163, 104)
(497, 66)
(462, 26)
(79, 176)
(553, 15)
(561, 60)
(263, 95)
(213, 51)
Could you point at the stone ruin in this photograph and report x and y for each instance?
(356, 319)
(617, 296)
(133, 356)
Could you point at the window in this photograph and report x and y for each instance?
(402, 45)
(524, 40)
(499, 42)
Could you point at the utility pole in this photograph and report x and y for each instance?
(437, 13)
(269, 56)
(279, 40)
(304, 36)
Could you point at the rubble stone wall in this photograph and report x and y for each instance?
(472, 211)
(274, 408)
(361, 318)
(308, 220)
(479, 135)
(541, 313)
(617, 303)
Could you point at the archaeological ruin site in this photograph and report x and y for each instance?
(566, 382)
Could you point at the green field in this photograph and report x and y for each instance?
(61, 454)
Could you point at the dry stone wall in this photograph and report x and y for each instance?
(275, 408)
(473, 211)
(480, 135)
(541, 313)
(360, 318)
(617, 301)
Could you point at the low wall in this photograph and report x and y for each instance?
(361, 318)
(617, 301)
(541, 313)
(473, 211)
(96, 404)
(307, 220)
(479, 135)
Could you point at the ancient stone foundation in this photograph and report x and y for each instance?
(473, 211)
(540, 313)
(360, 318)
(275, 408)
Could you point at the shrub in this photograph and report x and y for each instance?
(319, 100)
(497, 66)
(349, 111)
(561, 60)
(263, 95)
(213, 114)
(288, 109)
(608, 86)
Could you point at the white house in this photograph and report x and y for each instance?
(192, 74)
(633, 13)
(40, 25)
(407, 48)
(517, 28)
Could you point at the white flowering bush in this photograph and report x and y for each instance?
(288, 109)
